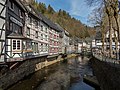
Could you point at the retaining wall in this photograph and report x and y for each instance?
(27, 67)
(108, 74)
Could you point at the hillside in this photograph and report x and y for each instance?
(72, 25)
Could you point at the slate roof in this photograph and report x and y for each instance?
(49, 22)
(41, 17)
(20, 4)
(16, 36)
(61, 29)
(32, 11)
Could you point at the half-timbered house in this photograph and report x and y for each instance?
(54, 39)
(53, 34)
(26, 33)
(31, 32)
(15, 18)
(37, 30)
(2, 29)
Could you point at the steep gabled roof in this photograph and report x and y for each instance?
(30, 9)
(41, 16)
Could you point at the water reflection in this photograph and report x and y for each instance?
(60, 76)
(81, 86)
(79, 68)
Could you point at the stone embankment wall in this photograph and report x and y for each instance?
(27, 67)
(108, 74)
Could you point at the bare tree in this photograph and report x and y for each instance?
(111, 10)
(98, 18)
(111, 7)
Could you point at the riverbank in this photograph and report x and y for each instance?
(27, 67)
(65, 75)
(92, 81)
(108, 74)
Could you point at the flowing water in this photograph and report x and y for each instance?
(60, 76)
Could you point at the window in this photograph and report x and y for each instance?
(33, 46)
(21, 13)
(16, 44)
(37, 51)
(46, 30)
(36, 34)
(36, 23)
(46, 37)
(41, 28)
(54, 36)
(41, 36)
(33, 20)
(46, 47)
(113, 39)
(50, 35)
(17, 29)
(20, 30)
(50, 42)
(11, 6)
(29, 45)
(29, 19)
(57, 37)
(10, 26)
(28, 31)
(41, 47)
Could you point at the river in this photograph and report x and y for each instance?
(66, 75)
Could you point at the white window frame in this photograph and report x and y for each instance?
(28, 31)
(46, 30)
(41, 36)
(16, 40)
(36, 34)
(42, 28)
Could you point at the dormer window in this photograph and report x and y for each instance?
(36, 23)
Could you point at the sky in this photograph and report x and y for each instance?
(76, 8)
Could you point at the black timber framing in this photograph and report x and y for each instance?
(2, 29)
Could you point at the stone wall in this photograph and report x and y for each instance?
(14, 75)
(27, 67)
(108, 74)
